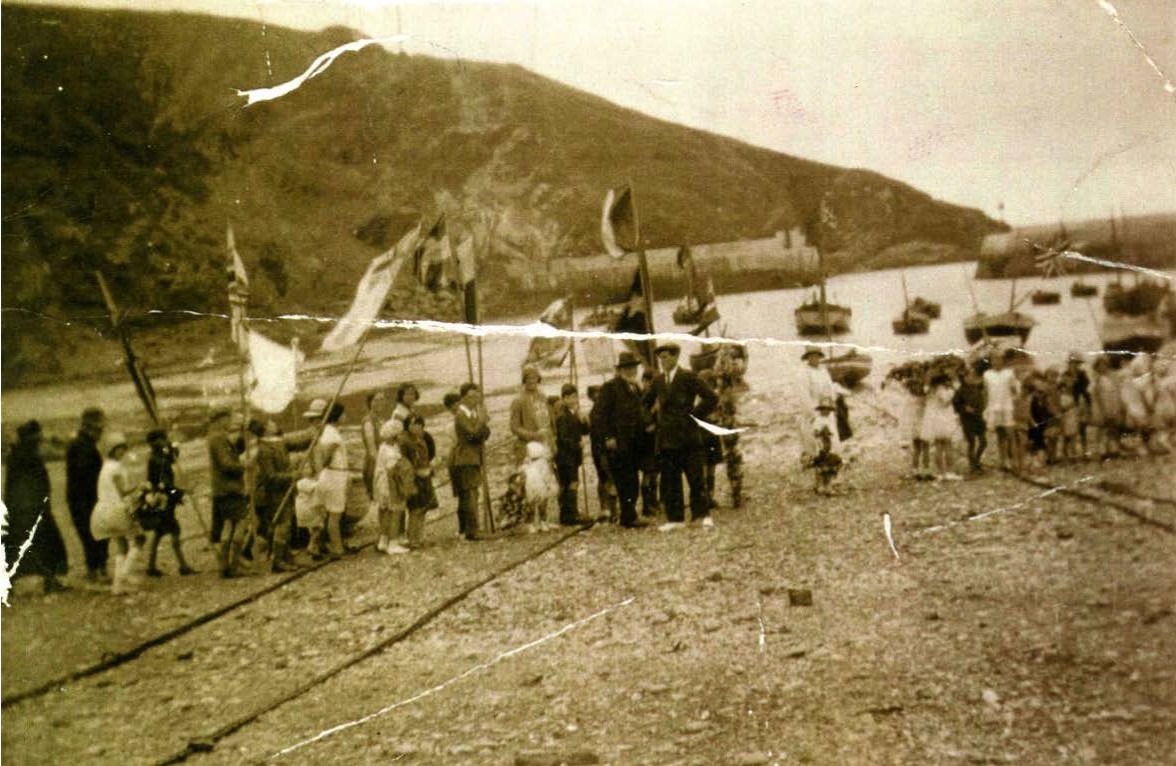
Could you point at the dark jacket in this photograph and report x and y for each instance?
(83, 462)
(621, 414)
(26, 494)
(471, 432)
(570, 430)
(226, 473)
(687, 395)
(970, 400)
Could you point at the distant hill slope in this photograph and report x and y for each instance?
(126, 148)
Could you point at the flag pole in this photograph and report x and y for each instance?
(575, 376)
(482, 388)
(642, 263)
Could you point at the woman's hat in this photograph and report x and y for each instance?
(531, 369)
(810, 351)
(316, 409)
(826, 403)
(627, 359)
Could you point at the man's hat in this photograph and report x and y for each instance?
(316, 409)
(627, 359)
(810, 351)
(216, 413)
(156, 434)
(669, 347)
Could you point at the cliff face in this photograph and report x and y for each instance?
(126, 149)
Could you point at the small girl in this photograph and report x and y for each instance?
(113, 517)
(161, 476)
(540, 483)
(913, 414)
(388, 488)
(512, 506)
(423, 498)
(940, 423)
(823, 453)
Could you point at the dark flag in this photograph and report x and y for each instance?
(633, 320)
(134, 367)
(467, 272)
(618, 224)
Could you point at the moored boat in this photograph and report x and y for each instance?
(814, 319)
(1002, 325)
(850, 368)
(1081, 289)
(911, 322)
(1045, 297)
(929, 309)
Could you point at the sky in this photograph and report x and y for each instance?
(1048, 107)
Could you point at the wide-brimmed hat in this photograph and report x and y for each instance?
(826, 403)
(316, 409)
(669, 347)
(627, 359)
(810, 351)
(216, 413)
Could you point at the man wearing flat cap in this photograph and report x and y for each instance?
(681, 397)
(230, 503)
(622, 419)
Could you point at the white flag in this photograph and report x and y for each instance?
(371, 293)
(273, 370)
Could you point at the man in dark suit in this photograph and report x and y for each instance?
(623, 419)
(83, 462)
(680, 395)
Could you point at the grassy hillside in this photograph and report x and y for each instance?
(125, 148)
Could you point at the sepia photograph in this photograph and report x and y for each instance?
(568, 382)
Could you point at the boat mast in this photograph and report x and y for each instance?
(906, 301)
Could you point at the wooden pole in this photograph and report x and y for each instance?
(575, 376)
(482, 449)
(642, 264)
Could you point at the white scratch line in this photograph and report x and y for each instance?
(1015, 506)
(889, 537)
(317, 67)
(1114, 14)
(28, 543)
(1076, 256)
(441, 686)
(763, 634)
(717, 430)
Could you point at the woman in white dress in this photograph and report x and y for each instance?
(330, 461)
(113, 516)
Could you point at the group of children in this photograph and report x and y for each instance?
(1040, 417)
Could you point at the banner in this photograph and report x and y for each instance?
(618, 224)
(273, 373)
(369, 296)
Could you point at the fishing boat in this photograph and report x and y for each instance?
(1132, 334)
(697, 307)
(1140, 318)
(911, 321)
(849, 368)
(1045, 297)
(1143, 298)
(1006, 324)
(818, 317)
(1003, 325)
(927, 308)
(1080, 289)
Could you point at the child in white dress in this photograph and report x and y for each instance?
(541, 484)
(940, 424)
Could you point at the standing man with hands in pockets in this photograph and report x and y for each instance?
(681, 397)
(623, 419)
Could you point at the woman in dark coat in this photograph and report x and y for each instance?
(26, 493)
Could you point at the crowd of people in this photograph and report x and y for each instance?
(279, 498)
(1039, 417)
(654, 438)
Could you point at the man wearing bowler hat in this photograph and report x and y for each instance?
(623, 419)
(681, 397)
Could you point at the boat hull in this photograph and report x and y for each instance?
(849, 369)
(911, 323)
(811, 320)
(1133, 334)
(1045, 298)
(1082, 290)
(925, 307)
(1009, 324)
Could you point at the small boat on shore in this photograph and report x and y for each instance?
(1142, 298)
(815, 318)
(1082, 290)
(1003, 325)
(850, 368)
(1132, 334)
(927, 308)
(911, 322)
(1045, 297)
